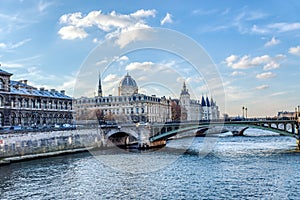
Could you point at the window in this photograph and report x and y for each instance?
(1, 101)
(1, 84)
(1, 119)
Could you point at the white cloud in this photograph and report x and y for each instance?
(122, 58)
(194, 79)
(255, 15)
(259, 30)
(295, 50)
(245, 62)
(3, 45)
(111, 77)
(101, 62)
(276, 27)
(143, 13)
(67, 85)
(278, 93)
(262, 87)
(43, 5)
(19, 63)
(284, 27)
(11, 65)
(272, 42)
(166, 19)
(180, 80)
(235, 93)
(95, 40)
(10, 46)
(150, 67)
(265, 75)
(230, 59)
(72, 32)
(111, 23)
(207, 12)
(138, 32)
(237, 73)
(145, 66)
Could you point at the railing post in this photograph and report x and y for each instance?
(298, 134)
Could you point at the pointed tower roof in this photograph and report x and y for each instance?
(99, 86)
(184, 91)
(207, 102)
(203, 103)
(212, 103)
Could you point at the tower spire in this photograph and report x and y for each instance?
(99, 86)
(184, 90)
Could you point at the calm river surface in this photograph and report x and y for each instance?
(253, 167)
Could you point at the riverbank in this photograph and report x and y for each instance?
(7, 161)
(17, 147)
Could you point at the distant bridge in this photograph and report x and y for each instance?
(151, 135)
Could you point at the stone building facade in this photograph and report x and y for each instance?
(194, 110)
(129, 105)
(25, 105)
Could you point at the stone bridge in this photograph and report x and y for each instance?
(153, 135)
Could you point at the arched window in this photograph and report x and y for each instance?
(13, 119)
(1, 119)
(1, 84)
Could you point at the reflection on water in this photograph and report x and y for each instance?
(237, 167)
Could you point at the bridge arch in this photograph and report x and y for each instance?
(121, 137)
(202, 128)
(127, 131)
(281, 131)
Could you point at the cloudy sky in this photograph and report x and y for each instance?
(255, 46)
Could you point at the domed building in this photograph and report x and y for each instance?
(130, 105)
(127, 86)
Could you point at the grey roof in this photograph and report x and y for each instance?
(207, 102)
(203, 102)
(5, 72)
(128, 81)
(24, 89)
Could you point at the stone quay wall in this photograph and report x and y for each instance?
(33, 143)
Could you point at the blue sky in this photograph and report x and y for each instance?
(255, 46)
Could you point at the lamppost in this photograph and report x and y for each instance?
(246, 109)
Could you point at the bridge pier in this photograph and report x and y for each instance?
(298, 135)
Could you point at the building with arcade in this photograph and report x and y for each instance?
(24, 105)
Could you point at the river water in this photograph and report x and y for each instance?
(259, 166)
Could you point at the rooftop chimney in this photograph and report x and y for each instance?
(52, 90)
(62, 92)
(25, 82)
(42, 89)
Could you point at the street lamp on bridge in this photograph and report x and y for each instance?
(244, 111)
(243, 108)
